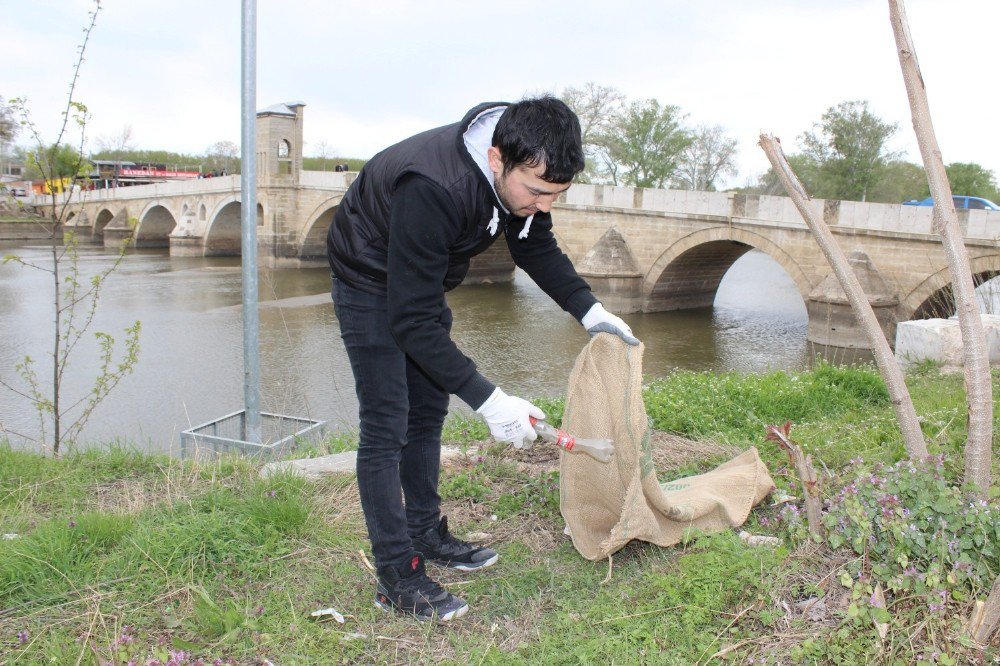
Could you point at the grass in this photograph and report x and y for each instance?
(127, 556)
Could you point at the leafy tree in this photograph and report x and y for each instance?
(55, 162)
(972, 180)
(901, 181)
(169, 158)
(319, 163)
(850, 146)
(711, 154)
(644, 144)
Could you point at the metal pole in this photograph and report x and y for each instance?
(248, 218)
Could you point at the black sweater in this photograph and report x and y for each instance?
(423, 226)
(408, 227)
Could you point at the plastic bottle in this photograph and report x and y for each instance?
(598, 449)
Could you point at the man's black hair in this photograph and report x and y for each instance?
(541, 131)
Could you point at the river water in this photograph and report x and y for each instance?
(190, 365)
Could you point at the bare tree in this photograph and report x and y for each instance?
(324, 151)
(222, 156)
(8, 123)
(8, 131)
(597, 107)
(116, 145)
(74, 302)
(978, 388)
(710, 155)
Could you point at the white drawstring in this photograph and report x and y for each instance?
(527, 226)
(492, 228)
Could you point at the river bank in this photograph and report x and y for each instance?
(123, 557)
(23, 228)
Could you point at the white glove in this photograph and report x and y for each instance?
(507, 417)
(598, 320)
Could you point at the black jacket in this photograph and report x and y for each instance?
(408, 227)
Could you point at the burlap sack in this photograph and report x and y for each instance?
(608, 505)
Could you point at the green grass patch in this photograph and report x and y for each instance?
(126, 556)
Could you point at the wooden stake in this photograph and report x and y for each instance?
(979, 446)
(990, 618)
(807, 476)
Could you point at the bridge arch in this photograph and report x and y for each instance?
(223, 237)
(312, 244)
(104, 217)
(155, 224)
(934, 296)
(687, 274)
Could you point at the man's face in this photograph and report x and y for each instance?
(522, 190)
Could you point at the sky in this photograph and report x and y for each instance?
(372, 73)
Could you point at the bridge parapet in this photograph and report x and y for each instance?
(780, 210)
(329, 180)
(174, 188)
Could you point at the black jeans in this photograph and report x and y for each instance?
(402, 411)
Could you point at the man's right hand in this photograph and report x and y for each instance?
(508, 418)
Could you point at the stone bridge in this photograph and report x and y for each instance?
(641, 249)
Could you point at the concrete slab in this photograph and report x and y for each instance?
(940, 340)
(936, 340)
(337, 463)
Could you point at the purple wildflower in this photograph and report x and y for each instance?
(22, 637)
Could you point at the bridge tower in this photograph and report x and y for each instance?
(279, 144)
(279, 170)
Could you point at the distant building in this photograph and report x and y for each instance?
(114, 173)
(10, 169)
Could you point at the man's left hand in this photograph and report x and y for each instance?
(598, 320)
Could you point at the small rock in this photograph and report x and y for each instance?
(813, 608)
(476, 537)
(757, 540)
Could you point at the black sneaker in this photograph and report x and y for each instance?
(440, 547)
(409, 590)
